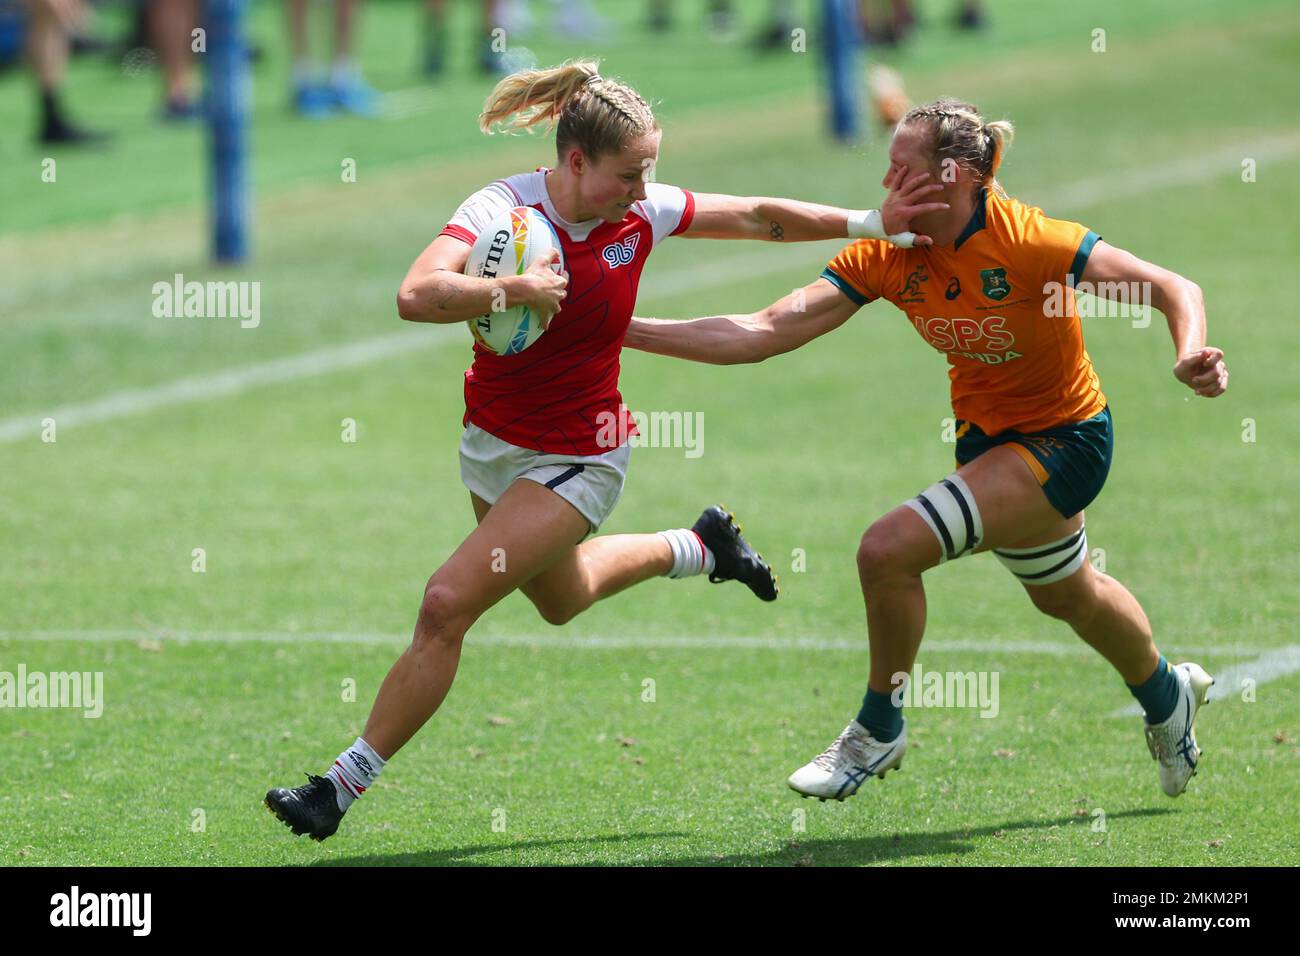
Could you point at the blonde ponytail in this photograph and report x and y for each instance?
(1002, 134)
(596, 114)
(524, 99)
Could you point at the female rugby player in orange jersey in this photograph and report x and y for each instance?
(542, 471)
(995, 293)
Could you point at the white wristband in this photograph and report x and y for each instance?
(867, 224)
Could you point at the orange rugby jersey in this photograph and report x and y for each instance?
(1000, 304)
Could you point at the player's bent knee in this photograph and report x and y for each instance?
(879, 555)
(443, 614)
(873, 556)
(948, 508)
(557, 613)
(558, 601)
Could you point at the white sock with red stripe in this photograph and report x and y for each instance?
(354, 772)
(690, 556)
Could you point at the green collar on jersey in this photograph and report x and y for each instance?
(976, 219)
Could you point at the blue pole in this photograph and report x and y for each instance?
(840, 28)
(227, 62)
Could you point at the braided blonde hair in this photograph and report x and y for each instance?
(958, 133)
(596, 114)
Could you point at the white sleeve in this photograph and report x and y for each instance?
(478, 210)
(669, 210)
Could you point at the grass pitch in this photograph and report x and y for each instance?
(221, 684)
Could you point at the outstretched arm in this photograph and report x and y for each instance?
(789, 220)
(783, 326)
(1198, 366)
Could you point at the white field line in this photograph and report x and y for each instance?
(202, 388)
(1143, 180)
(1082, 194)
(1268, 666)
(564, 641)
(235, 381)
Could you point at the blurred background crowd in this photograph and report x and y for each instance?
(40, 36)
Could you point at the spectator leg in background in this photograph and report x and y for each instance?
(490, 60)
(171, 25)
(311, 97)
(48, 41)
(434, 54)
(349, 91)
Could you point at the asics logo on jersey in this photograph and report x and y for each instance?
(953, 290)
(620, 253)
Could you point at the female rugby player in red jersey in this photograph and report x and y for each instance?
(994, 292)
(546, 415)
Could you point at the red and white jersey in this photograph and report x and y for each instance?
(551, 397)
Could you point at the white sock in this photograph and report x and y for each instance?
(355, 770)
(690, 556)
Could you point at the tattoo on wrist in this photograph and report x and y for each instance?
(778, 231)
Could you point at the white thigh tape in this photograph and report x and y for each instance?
(948, 507)
(1046, 563)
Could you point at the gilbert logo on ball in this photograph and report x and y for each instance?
(511, 243)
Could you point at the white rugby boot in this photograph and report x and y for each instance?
(1173, 743)
(842, 767)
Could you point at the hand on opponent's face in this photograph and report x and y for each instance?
(906, 201)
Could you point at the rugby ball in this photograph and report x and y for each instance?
(508, 246)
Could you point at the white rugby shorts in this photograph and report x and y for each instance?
(592, 483)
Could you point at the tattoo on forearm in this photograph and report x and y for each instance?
(447, 291)
(778, 231)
